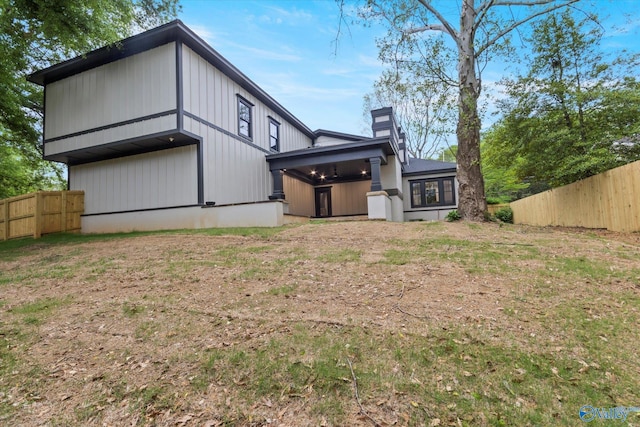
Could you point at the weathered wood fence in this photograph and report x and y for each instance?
(40, 213)
(609, 200)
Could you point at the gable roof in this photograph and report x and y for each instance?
(340, 135)
(425, 166)
(167, 33)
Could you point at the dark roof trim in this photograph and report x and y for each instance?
(379, 147)
(340, 135)
(382, 142)
(428, 167)
(124, 148)
(167, 33)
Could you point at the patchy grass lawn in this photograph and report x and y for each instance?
(335, 324)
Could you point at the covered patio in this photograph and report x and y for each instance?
(336, 180)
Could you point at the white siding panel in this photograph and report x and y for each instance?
(327, 141)
(146, 181)
(132, 87)
(115, 134)
(212, 96)
(234, 172)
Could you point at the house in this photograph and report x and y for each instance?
(161, 131)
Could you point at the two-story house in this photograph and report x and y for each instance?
(162, 132)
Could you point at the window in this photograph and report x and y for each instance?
(244, 118)
(432, 192)
(274, 135)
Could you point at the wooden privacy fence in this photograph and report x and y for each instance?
(609, 200)
(40, 213)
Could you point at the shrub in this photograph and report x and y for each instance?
(494, 200)
(453, 216)
(505, 215)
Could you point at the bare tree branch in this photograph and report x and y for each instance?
(450, 30)
(514, 25)
(522, 2)
(482, 12)
(429, 27)
(341, 21)
(355, 390)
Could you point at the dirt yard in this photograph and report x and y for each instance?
(173, 329)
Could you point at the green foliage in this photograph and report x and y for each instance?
(505, 215)
(424, 44)
(582, 118)
(453, 216)
(446, 154)
(422, 105)
(36, 34)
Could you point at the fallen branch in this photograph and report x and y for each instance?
(355, 389)
(397, 307)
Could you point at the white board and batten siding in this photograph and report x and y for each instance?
(137, 86)
(146, 181)
(234, 171)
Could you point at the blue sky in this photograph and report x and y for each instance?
(288, 48)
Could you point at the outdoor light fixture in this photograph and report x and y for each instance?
(364, 173)
(171, 139)
(322, 176)
(313, 173)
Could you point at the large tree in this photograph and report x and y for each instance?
(422, 105)
(573, 113)
(482, 31)
(35, 34)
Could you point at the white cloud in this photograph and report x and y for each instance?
(204, 32)
(370, 61)
(278, 55)
(292, 17)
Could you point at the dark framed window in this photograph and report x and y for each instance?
(432, 192)
(245, 118)
(274, 135)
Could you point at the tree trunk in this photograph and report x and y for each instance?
(472, 204)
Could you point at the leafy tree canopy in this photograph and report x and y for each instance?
(424, 107)
(451, 42)
(573, 114)
(35, 34)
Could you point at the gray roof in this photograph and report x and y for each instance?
(424, 166)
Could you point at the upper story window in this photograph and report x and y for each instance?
(274, 135)
(432, 192)
(245, 118)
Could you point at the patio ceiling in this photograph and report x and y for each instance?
(323, 165)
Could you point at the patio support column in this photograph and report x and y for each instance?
(278, 188)
(376, 184)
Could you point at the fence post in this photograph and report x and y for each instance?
(37, 232)
(5, 209)
(63, 212)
